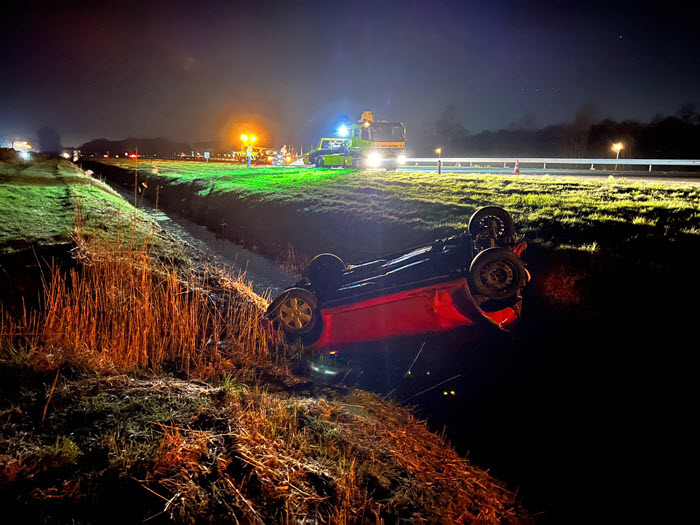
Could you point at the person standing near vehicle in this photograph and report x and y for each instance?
(283, 150)
(249, 153)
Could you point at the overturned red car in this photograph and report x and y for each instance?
(474, 277)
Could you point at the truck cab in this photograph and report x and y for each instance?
(327, 146)
(377, 144)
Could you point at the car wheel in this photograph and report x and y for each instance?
(325, 272)
(295, 311)
(497, 273)
(491, 226)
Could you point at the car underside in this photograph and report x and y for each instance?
(474, 277)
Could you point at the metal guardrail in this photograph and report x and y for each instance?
(469, 162)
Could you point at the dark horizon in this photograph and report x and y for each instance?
(206, 72)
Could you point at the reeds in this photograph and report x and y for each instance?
(121, 309)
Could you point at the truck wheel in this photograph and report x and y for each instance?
(296, 311)
(497, 273)
(357, 163)
(325, 272)
(320, 162)
(491, 226)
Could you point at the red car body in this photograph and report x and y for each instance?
(429, 308)
(473, 278)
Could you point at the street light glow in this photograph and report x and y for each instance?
(616, 148)
(438, 151)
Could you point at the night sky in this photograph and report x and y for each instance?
(201, 71)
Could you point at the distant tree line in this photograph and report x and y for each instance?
(160, 146)
(675, 136)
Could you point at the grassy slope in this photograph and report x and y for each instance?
(590, 214)
(86, 424)
(40, 202)
(215, 451)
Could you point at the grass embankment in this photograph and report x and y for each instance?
(614, 215)
(131, 384)
(41, 200)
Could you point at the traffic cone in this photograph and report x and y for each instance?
(517, 166)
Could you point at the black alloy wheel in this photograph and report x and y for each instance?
(497, 273)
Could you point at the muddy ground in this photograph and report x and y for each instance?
(558, 410)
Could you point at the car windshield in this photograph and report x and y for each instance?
(387, 132)
(332, 143)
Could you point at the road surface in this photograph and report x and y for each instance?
(653, 176)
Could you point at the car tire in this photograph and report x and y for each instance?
(325, 272)
(491, 225)
(497, 273)
(296, 312)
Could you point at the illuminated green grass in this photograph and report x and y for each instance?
(565, 211)
(39, 201)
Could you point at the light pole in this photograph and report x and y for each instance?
(439, 162)
(616, 148)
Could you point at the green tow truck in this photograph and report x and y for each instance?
(370, 144)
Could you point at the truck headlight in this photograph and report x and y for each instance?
(401, 159)
(374, 159)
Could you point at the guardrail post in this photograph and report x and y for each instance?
(439, 166)
(649, 167)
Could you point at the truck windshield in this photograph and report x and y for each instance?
(332, 143)
(387, 132)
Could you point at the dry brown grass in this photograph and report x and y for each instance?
(360, 459)
(122, 310)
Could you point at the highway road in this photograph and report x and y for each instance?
(643, 175)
